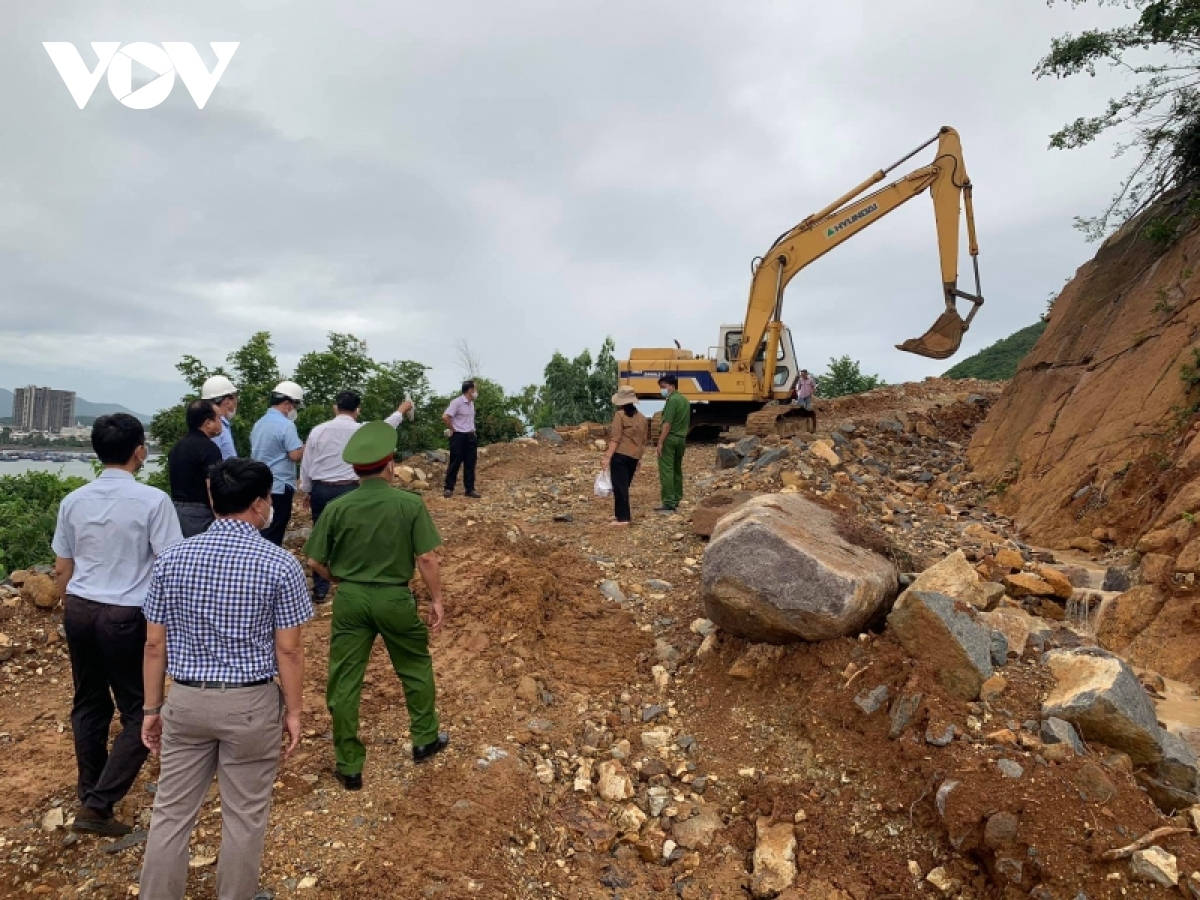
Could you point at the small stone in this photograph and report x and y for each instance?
(612, 591)
(658, 585)
(583, 776)
(1060, 731)
(943, 795)
(702, 627)
(941, 880)
(1001, 829)
(620, 750)
(656, 738)
(1009, 769)
(774, 858)
(630, 819)
(544, 771)
(199, 862)
(650, 713)
(873, 700)
(53, 819)
(1154, 865)
(527, 689)
(941, 735)
(614, 783)
(307, 882)
(902, 713)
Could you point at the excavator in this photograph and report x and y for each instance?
(748, 376)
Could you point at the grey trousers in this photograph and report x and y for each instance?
(236, 735)
(194, 518)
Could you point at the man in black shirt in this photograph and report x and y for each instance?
(188, 464)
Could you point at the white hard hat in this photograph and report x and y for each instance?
(289, 389)
(216, 387)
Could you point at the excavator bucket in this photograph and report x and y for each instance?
(940, 341)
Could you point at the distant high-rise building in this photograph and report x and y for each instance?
(43, 409)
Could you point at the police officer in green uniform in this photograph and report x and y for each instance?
(672, 440)
(368, 542)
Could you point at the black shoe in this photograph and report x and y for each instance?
(318, 599)
(447, 494)
(95, 822)
(666, 510)
(426, 751)
(349, 782)
(475, 495)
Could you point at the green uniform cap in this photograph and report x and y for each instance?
(372, 444)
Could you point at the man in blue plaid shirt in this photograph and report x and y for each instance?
(223, 618)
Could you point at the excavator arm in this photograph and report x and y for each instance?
(945, 178)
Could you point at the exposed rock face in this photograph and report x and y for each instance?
(1154, 630)
(949, 636)
(1123, 618)
(778, 571)
(1087, 408)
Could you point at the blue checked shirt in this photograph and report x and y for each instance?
(221, 596)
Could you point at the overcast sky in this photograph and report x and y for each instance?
(525, 176)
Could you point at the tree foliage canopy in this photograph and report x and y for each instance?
(1160, 49)
(574, 391)
(28, 511)
(845, 377)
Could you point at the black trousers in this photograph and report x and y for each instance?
(282, 516)
(106, 644)
(194, 518)
(621, 470)
(322, 493)
(464, 451)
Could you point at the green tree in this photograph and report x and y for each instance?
(1160, 115)
(576, 390)
(391, 382)
(845, 377)
(28, 511)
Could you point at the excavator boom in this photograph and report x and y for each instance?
(945, 178)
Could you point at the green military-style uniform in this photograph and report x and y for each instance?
(369, 540)
(678, 413)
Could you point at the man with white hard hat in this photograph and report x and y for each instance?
(221, 391)
(275, 441)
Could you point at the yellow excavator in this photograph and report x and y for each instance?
(748, 376)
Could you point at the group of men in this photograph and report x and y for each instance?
(198, 587)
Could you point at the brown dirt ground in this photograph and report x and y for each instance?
(521, 589)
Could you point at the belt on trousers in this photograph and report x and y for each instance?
(222, 685)
(337, 483)
(378, 584)
(187, 504)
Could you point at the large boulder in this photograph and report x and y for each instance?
(1017, 626)
(948, 635)
(39, 590)
(956, 578)
(714, 507)
(777, 571)
(1101, 696)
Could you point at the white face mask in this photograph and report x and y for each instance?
(291, 415)
(270, 517)
(665, 392)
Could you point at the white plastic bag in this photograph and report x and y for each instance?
(603, 484)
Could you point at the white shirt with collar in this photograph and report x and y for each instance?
(322, 460)
(113, 529)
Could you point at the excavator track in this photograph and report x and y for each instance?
(784, 421)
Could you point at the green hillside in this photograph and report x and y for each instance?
(999, 361)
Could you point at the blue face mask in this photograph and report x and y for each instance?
(665, 392)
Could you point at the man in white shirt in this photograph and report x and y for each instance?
(324, 475)
(108, 535)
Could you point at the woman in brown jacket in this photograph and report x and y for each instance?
(626, 442)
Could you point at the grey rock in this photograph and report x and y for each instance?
(999, 649)
(1060, 731)
(890, 425)
(870, 702)
(540, 726)
(776, 571)
(612, 591)
(1168, 798)
(1009, 769)
(727, 458)
(1001, 829)
(1119, 578)
(943, 795)
(1100, 695)
(747, 445)
(665, 651)
(1178, 764)
(941, 737)
(130, 840)
(700, 784)
(773, 455)
(650, 713)
(948, 636)
(903, 711)
(658, 585)
(549, 436)
(1011, 869)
